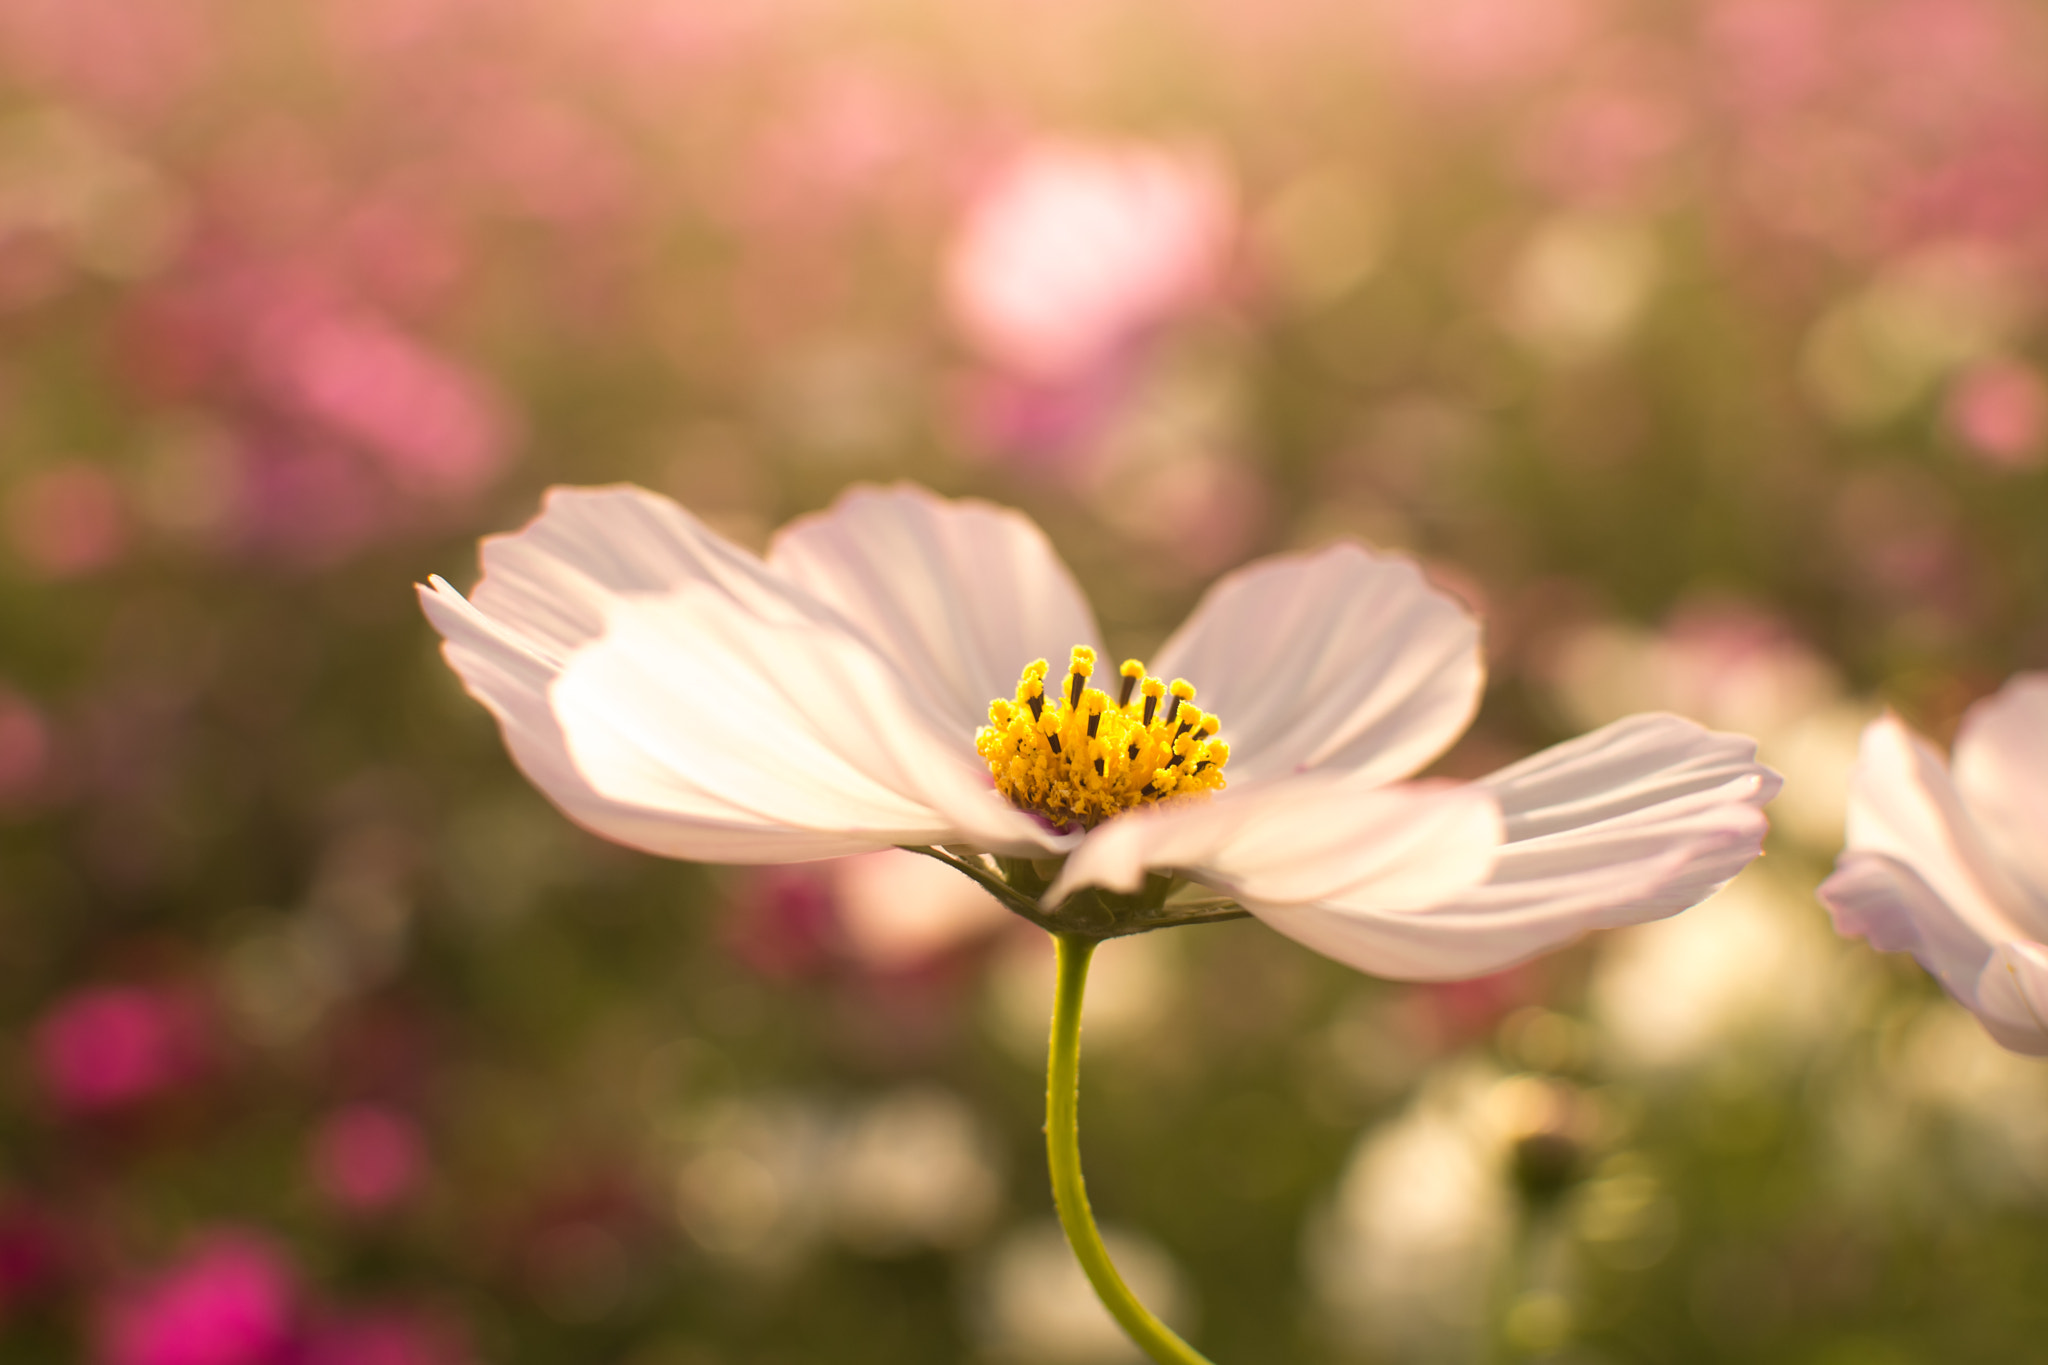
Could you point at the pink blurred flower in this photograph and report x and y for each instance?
(1470, 46)
(229, 1301)
(25, 747)
(367, 1158)
(432, 424)
(68, 521)
(899, 911)
(1077, 250)
(1607, 143)
(111, 1047)
(1999, 411)
(35, 1252)
(385, 1338)
(783, 923)
(128, 57)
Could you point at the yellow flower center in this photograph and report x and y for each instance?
(1077, 758)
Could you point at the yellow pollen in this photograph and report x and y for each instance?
(1079, 756)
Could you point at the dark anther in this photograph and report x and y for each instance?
(1094, 724)
(1151, 705)
(1133, 750)
(1053, 740)
(1172, 709)
(1098, 767)
(1149, 790)
(1123, 697)
(1037, 705)
(1203, 766)
(1075, 682)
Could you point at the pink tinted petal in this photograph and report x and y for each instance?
(1632, 822)
(693, 704)
(1878, 898)
(2001, 770)
(958, 595)
(669, 691)
(502, 670)
(1309, 841)
(2012, 997)
(1903, 804)
(551, 582)
(1339, 659)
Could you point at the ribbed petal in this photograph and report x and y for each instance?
(1328, 863)
(1338, 660)
(552, 580)
(2012, 997)
(1633, 822)
(959, 595)
(669, 691)
(2001, 770)
(798, 726)
(1902, 804)
(1876, 897)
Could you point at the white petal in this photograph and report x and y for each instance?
(1339, 660)
(958, 595)
(2001, 769)
(1876, 897)
(551, 581)
(668, 690)
(1635, 821)
(2012, 998)
(1903, 804)
(1325, 862)
(690, 703)
(507, 674)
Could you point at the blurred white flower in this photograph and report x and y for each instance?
(897, 909)
(1076, 250)
(1879, 351)
(1036, 1304)
(1999, 1099)
(1579, 286)
(1323, 235)
(1405, 1261)
(675, 693)
(1953, 866)
(911, 1170)
(1746, 964)
(1131, 988)
(750, 1186)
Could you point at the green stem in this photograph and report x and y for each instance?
(1063, 1152)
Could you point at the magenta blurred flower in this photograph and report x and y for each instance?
(367, 1158)
(110, 1047)
(1077, 250)
(230, 1301)
(1999, 411)
(1952, 865)
(36, 1249)
(68, 521)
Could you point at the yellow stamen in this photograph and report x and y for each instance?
(1077, 757)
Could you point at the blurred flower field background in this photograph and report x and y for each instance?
(1698, 345)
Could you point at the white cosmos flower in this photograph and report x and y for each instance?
(1952, 866)
(673, 692)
